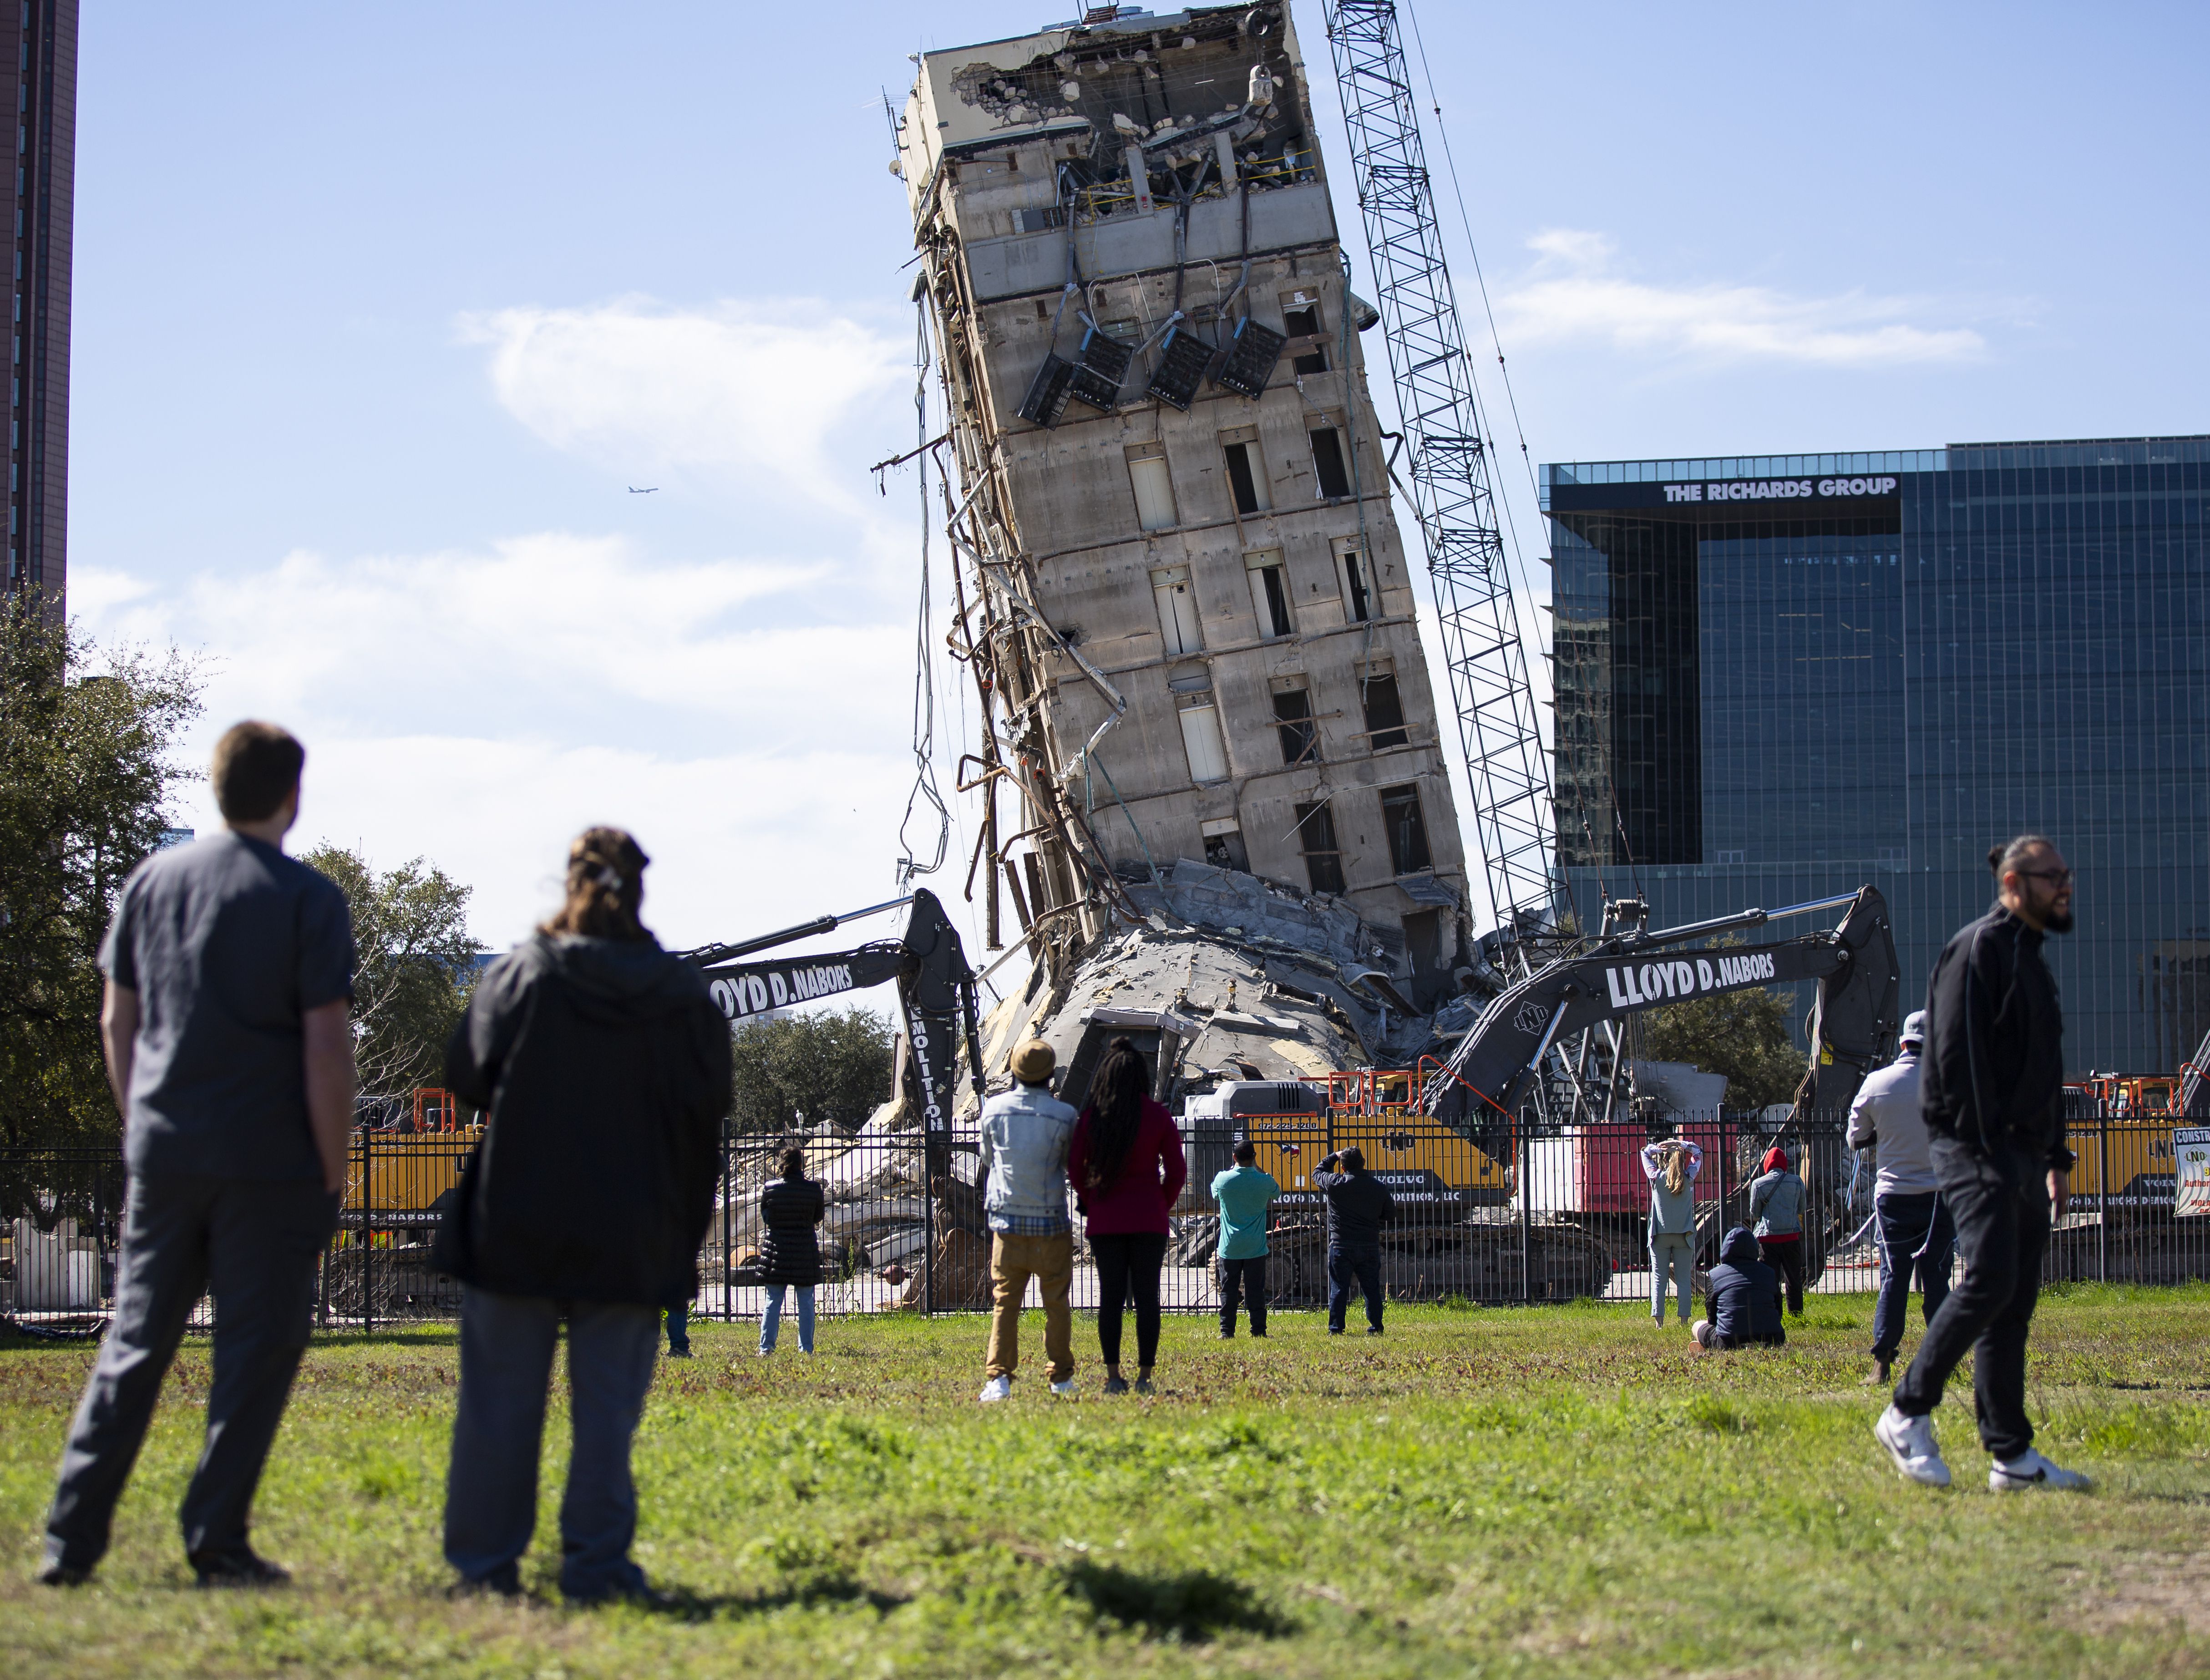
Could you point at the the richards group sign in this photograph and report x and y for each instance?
(1821, 493)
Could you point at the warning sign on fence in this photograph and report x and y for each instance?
(2191, 1144)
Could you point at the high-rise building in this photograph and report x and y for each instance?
(1189, 593)
(38, 38)
(1778, 677)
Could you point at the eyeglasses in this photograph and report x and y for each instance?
(2062, 877)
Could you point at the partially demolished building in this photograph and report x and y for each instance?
(1183, 594)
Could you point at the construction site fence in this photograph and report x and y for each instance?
(1518, 1212)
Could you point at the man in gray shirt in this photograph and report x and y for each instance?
(1915, 1231)
(229, 975)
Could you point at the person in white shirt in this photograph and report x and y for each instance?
(1915, 1232)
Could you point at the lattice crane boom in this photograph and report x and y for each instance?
(1452, 496)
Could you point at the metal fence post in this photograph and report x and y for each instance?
(367, 1233)
(927, 1229)
(729, 1226)
(1526, 1209)
(2103, 1193)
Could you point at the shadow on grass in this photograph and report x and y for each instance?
(1189, 1606)
(680, 1604)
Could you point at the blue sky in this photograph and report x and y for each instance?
(380, 311)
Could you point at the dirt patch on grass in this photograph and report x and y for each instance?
(2159, 1590)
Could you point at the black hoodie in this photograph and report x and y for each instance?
(605, 1067)
(1993, 1069)
(1743, 1304)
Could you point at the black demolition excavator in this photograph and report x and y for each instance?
(1498, 1066)
(936, 992)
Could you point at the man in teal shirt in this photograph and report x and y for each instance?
(1244, 1194)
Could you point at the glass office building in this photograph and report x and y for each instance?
(1780, 677)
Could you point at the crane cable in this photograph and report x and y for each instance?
(924, 679)
(1480, 283)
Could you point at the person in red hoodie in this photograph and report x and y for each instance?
(1126, 1161)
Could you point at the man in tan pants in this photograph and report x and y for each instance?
(1023, 1169)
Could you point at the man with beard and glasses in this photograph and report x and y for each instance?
(1991, 1084)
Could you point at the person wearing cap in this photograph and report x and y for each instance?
(1022, 1163)
(1776, 1202)
(1915, 1231)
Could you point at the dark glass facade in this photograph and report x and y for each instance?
(1780, 677)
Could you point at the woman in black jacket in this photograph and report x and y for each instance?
(790, 1207)
(604, 1066)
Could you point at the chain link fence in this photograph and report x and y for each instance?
(1516, 1213)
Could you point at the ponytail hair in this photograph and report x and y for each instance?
(604, 887)
(1676, 1171)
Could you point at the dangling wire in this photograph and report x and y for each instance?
(924, 668)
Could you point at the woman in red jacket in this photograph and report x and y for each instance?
(1126, 1163)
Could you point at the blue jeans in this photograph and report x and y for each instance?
(1345, 1266)
(1916, 1235)
(679, 1328)
(771, 1320)
(1672, 1260)
(491, 1489)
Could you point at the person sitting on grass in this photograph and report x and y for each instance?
(1776, 1202)
(1244, 1194)
(1358, 1205)
(1742, 1306)
(790, 1207)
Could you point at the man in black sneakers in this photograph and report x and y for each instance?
(1358, 1205)
(1991, 1084)
(229, 975)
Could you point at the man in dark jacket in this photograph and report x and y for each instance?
(1358, 1205)
(605, 1067)
(1742, 1308)
(1990, 1089)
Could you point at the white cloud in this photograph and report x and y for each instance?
(738, 391)
(479, 706)
(1574, 293)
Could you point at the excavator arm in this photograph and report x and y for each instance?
(1854, 1013)
(936, 993)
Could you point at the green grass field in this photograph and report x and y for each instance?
(1527, 1491)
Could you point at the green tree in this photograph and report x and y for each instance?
(825, 1068)
(412, 965)
(1742, 1035)
(87, 769)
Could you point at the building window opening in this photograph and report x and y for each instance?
(1178, 625)
(1294, 722)
(1407, 830)
(1154, 486)
(1270, 593)
(1384, 711)
(1355, 596)
(1316, 836)
(1223, 845)
(1327, 463)
(1201, 737)
(1247, 471)
(1303, 320)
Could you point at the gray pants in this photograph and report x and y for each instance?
(255, 1242)
(491, 1489)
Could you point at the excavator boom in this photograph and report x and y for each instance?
(1855, 966)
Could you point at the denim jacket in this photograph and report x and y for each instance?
(1022, 1158)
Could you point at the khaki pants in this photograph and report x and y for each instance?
(1013, 1262)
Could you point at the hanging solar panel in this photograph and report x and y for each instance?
(1049, 391)
(1104, 365)
(1251, 358)
(1182, 361)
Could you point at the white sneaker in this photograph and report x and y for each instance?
(996, 1388)
(1910, 1442)
(2030, 1470)
(1063, 1389)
